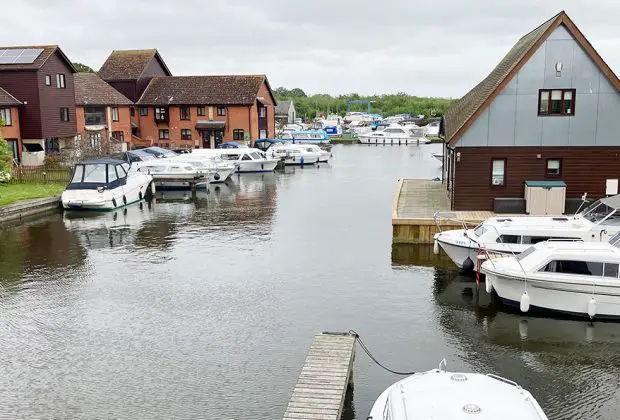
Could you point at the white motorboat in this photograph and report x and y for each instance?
(293, 154)
(248, 159)
(514, 234)
(306, 137)
(105, 184)
(394, 135)
(176, 173)
(324, 155)
(432, 128)
(223, 169)
(574, 278)
(441, 395)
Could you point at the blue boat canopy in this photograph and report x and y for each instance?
(230, 145)
(545, 184)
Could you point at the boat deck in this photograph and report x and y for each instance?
(414, 208)
(325, 376)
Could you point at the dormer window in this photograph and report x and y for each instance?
(556, 102)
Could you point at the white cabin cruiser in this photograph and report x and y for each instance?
(442, 395)
(324, 155)
(104, 184)
(574, 278)
(394, 134)
(248, 159)
(514, 234)
(223, 169)
(176, 173)
(293, 154)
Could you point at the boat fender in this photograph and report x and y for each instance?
(436, 248)
(152, 188)
(524, 304)
(301, 161)
(592, 308)
(488, 284)
(468, 264)
(139, 195)
(262, 166)
(114, 202)
(124, 200)
(216, 176)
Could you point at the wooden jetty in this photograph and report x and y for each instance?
(325, 376)
(414, 208)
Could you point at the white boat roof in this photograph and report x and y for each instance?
(444, 395)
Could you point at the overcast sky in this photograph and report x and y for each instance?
(429, 48)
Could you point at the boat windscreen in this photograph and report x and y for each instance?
(615, 240)
(95, 173)
(598, 211)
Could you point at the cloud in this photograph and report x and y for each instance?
(439, 48)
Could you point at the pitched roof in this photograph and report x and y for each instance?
(47, 52)
(460, 115)
(7, 99)
(283, 107)
(203, 90)
(90, 89)
(129, 64)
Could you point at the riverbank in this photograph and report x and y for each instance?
(12, 193)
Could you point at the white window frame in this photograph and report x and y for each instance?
(61, 81)
(114, 114)
(5, 116)
(496, 181)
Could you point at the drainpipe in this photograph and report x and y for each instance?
(108, 129)
(250, 122)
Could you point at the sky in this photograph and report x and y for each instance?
(425, 48)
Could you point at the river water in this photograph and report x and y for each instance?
(205, 309)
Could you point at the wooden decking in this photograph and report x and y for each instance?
(415, 205)
(325, 376)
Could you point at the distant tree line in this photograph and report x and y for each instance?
(386, 105)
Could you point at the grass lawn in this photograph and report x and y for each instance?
(10, 193)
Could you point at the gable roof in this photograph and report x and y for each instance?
(48, 51)
(460, 115)
(283, 107)
(129, 64)
(203, 90)
(90, 89)
(6, 99)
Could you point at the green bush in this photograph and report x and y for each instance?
(5, 159)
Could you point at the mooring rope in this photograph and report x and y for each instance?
(363, 346)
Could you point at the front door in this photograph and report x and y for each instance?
(206, 139)
(13, 148)
(219, 135)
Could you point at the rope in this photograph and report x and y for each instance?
(363, 346)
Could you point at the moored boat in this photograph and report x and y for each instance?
(293, 154)
(441, 395)
(306, 137)
(573, 278)
(394, 134)
(248, 159)
(105, 184)
(175, 173)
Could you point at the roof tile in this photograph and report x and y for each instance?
(90, 89)
(128, 64)
(7, 99)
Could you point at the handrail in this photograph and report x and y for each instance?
(502, 379)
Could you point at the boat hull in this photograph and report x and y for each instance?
(561, 297)
(392, 141)
(268, 165)
(460, 254)
(106, 200)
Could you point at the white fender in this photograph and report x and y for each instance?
(488, 284)
(592, 308)
(524, 305)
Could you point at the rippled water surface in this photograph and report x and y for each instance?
(206, 309)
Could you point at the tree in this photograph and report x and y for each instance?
(5, 156)
(83, 68)
(298, 93)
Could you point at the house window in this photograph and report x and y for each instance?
(164, 134)
(144, 111)
(64, 114)
(132, 110)
(262, 112)
(52, 145)
(161, 114)
(95, 140)
(114, 113)
(200, 111)
(498, 172)
(556, 102)
(184, 113)
(554, 167)
(48, 80)
(186, 134)
(5, 116)
(118, 135)
(221, 111)
(238, 134)
(60, 81)
(94, 115)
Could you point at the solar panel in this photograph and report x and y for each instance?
(20, 55)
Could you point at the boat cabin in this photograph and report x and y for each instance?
(99, 174)
(240, 155)
(306, 135)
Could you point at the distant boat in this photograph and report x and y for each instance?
(248, 159)
(308, 136)
(394, 134)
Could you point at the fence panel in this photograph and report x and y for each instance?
(27, 175)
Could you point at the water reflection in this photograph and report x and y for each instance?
(559, 360)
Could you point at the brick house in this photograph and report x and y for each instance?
(103, 114)
(549, 111)
(9, 123)
(41, 78)
(204, 111)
